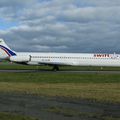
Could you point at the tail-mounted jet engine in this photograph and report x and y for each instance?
(20, 59)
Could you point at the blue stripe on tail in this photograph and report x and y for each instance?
(9, 51)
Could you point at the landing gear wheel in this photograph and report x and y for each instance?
(55, 68)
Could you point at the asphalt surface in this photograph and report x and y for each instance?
(46, 108)
(61, 71)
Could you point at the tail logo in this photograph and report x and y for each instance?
(6, 50)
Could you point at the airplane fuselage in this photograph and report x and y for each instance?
(72, 59)
(58, 59)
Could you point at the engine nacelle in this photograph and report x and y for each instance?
(20, 58)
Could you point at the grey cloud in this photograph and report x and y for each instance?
(91, 14)
(103, 3)
(64, 26)
(8, 3)
(12, 10)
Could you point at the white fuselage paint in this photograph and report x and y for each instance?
(73, 59)
(56, 59)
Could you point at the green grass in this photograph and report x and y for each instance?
(75, 113)
(7, 65)
(59, 78)
(99, 87)
(75, 86)
(103, 92)
(10, 116)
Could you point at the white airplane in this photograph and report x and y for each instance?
(58, 59)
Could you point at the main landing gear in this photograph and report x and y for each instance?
(55, 68)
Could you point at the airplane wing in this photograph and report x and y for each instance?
(55, 63)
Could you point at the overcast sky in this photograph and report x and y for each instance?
(61, 25)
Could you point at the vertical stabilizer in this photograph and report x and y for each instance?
(6, 49)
